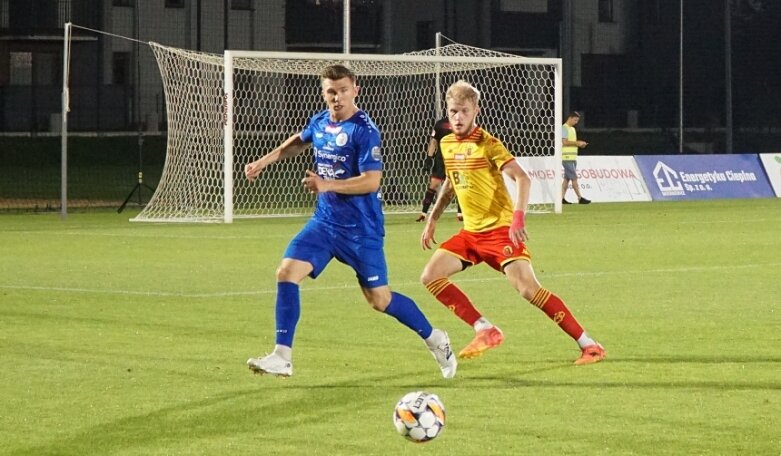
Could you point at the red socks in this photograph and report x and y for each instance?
(454, 299)
(555, 308)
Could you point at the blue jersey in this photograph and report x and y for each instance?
(343, 150)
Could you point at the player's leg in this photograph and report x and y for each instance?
(569, 176)
(367, 258)
(429, 197)
(576, 186)
(564, 184)
(404, 309)
(581, 198)
(305, 256)
(521, 275)
(436, 277)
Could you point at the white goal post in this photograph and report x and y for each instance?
(225, 111)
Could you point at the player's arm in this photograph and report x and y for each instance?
(432, 147)
(523, 184)
(366, 182)
(428, 163)
(446, 195)
(578, 143)
(291, 147)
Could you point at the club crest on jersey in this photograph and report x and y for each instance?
(341, 139)
(332, 129)
(376, 154)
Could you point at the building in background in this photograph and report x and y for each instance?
(621, 57)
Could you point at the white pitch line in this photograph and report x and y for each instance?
(222, 294)
(396, 230)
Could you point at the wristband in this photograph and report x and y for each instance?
(519, 221)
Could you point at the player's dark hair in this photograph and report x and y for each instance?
(336, 72)
(574, 114)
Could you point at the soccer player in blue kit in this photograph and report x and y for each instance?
(347, 224)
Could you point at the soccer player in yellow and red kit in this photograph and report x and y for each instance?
(494, 229)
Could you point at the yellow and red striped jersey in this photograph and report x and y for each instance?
(473, 165)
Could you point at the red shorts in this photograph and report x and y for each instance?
(493, 247)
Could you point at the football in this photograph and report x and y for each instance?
(419, 416)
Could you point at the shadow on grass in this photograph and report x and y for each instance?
(270, 414)
(276, 412)
(509, 378)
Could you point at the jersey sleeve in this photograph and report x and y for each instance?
(309, 130)
(368, 144)
(497, 153)
(564, 132)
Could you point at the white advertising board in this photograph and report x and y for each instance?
(601, 178)
(772, 164)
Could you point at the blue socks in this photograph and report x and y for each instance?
(288, 310)
(407, 312)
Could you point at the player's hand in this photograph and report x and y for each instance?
(518, 232)
(252, 170)
(313, 182)
(428, 164)
(427, 237)
(582, 144)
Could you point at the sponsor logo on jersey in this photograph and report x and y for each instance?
(330, 156)
(341, 139)
(373, 278)
(376, 154)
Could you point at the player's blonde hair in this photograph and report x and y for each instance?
(461, 91)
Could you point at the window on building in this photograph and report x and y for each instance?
(123, 2)
(21, 66)
(245, 5)
(120, 68)
(174, 3)
(605, 10)
(4, 14)
(46, 69)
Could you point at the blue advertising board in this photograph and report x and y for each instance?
(685, 177)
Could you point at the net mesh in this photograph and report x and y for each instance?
(273, 98)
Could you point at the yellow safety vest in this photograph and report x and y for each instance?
(570, 152)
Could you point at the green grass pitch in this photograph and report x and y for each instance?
(119, 338)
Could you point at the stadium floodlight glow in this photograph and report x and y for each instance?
(227, 110)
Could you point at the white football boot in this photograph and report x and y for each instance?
(271, 364)
(439, 345)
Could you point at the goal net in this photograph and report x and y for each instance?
(224, 111)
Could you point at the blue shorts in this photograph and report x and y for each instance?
(570, 167)
(318, 243)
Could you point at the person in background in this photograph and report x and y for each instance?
(569, 157)
(434, 166)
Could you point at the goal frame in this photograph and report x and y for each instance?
(228, 85)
